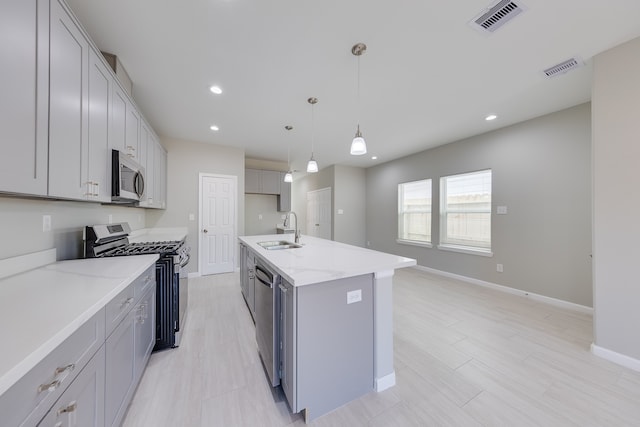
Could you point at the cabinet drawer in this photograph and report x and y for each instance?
(144, 282)
(117, 308)
(30, 398)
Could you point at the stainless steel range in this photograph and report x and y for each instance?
(171, 293)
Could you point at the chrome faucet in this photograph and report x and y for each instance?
(297, 232)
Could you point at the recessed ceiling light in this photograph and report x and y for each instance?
(216, 90)
(491, 117)
(214, 127)
(374, 157)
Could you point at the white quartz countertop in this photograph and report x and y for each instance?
(321, 260)
(40, 308)
(145, 235)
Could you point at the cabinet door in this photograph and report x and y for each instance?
(270, 182)
(160, 176)
(243, 270)
(284, 199)
(23, 109)
(146, 160)
(145, 327)
(120, 374)
(118, 135)
(288, 343)
(68, 137)
(252, 183)
(82, 404)
(99, 164)
(133, 132)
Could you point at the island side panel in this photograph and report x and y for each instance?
(335, 344)
(384, 373)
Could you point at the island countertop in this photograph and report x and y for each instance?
(321, 260)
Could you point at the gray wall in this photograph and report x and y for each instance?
(186, 160)
(541, 172)
(348, 192)
(616, 205)
(349, 195)
(302, 185)
(21, 224)
(265, 206)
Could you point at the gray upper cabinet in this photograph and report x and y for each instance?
(68, 88)
(260, 181)
(24, 29)
(146, 160)
(99, 165)
(118, 134)
(63, 110)
(252, 182)
(284, 199)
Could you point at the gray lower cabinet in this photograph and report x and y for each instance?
(24, 47)
(145, 328)
(120, 374)
(82, 404)
(326, 355)
(288, 342)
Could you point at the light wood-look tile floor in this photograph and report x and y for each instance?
(464, 356)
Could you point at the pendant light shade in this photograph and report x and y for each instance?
(358, 145)
(312, 165)
(288, 177)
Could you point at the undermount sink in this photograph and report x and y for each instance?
(273, 245)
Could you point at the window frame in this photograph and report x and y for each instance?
(448, 245)
(400, 212)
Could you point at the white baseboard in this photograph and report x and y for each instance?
(385, 382)
(536, 297)
(194, 275)
(612, 356)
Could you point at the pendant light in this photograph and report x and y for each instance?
(312, 165)
(288, 177)
(358, 145)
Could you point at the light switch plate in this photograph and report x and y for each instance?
(340, 212)
(46, 223)
(354, 296)
(192, 217)
(502, 210)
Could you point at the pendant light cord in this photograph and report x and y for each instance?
(313, 132)
(359, 91)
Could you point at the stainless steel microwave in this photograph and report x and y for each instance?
(127, 179)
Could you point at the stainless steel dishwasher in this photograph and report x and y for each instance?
(267, 312)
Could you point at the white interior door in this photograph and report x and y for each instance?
(218, 206)
(319, 213)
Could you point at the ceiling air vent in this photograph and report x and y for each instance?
(564, 67)
(494, 17)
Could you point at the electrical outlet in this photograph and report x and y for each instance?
(46, 223)
(260, 217)
(192, 217)
(354, 296)
(110, 219)
(502, 210)
(499, 268)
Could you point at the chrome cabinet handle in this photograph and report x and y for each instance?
(69, 408)
(49, 387)
(69, 367)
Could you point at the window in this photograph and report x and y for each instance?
(414, 211)
(465, 211)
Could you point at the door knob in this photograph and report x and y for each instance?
(205, 231)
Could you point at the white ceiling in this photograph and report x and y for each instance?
(427, 78)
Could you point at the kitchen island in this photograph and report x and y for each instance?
(334, 319)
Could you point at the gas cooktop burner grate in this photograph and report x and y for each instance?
(145, 248)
